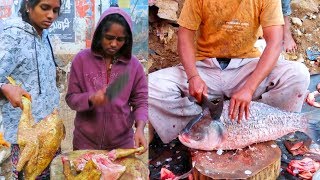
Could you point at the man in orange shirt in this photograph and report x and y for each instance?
(225, 62)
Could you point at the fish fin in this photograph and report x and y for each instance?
(313, 129)
(220, 128)
(191, 123)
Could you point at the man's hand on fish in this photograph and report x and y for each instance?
(14, 94)
(239, 104)
(98, 98)
(197, 87)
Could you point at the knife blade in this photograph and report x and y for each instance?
(117, 86)
(215, 106)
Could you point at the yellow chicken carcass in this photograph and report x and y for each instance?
(82, 165)
(81, 161)
(90, 171)
(38, 142)
(120, 153)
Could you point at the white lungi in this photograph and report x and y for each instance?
(169, 112)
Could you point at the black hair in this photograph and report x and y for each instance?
(103, 27)
(31, 4)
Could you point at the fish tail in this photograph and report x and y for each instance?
(313, 129)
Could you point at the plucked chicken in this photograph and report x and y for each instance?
(103, 163)
(38, 142)
(90, 171)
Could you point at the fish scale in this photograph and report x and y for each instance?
(259, 128)
(265, 123)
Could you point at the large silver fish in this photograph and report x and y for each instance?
(265, 123)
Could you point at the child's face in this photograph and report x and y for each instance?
(44, 13)
(113, 39)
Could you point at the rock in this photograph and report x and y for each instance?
(307, 62)
(311, 16)
(298, 32)
(296, 21)
(289, 56)
(305, 5)
(308, 36)
(165, 33)
(167, 9)
(300, 58)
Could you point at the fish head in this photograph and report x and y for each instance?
(206, 135)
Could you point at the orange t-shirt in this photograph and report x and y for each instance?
(229, 28)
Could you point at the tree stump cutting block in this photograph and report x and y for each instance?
(259, 161)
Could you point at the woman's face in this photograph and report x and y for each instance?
(113, 39)
(43, 14)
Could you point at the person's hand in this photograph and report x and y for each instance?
(140, 140)
(240, 103)
(197, 87)
(14, 94)
(98, 98)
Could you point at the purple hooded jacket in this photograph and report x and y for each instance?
(108, 126)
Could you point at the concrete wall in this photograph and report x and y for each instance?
(73, 30)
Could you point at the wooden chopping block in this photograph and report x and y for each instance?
(260, 161)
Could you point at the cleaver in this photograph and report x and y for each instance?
(215, 108)
(117, 86)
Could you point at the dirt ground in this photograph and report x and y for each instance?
(308, 12)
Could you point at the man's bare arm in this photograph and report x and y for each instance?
(186, 50)
(240, 100)
(273, 36)
(197, 86)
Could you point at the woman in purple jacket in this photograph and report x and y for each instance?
(100, 124)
